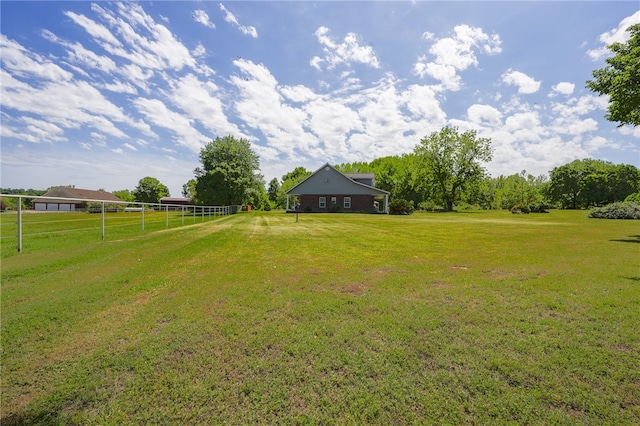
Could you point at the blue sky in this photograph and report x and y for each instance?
(100, 95)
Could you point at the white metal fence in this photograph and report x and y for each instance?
(104, 206)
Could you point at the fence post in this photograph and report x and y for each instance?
(166, 209)
(19, 224)
(183, 215)
(103, 221)
(142, 210)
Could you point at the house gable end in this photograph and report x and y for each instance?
(328, 180)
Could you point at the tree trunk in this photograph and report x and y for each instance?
(449, 205)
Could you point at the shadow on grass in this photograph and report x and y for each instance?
(631, 239)
(450, 212)
(30, 419)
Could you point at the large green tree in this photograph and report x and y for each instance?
(622, 181)
(272, 191)
(229, 173)
(189, 189)
(124, 195)
(290, 180)
(396, 175)
(150, 190)
(620, 79)
(519, 190)
(451, 161)
(589, 182)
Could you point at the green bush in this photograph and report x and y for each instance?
(624, 210)
(430, 206)
(539, 207)
(520, 208)
(400, 206)
(530, 208)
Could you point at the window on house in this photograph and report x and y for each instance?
(322, 202)
(347, 202)
(333, 200)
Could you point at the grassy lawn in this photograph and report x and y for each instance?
(480, 318)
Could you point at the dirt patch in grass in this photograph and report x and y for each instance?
(356, 288)
(440, 284)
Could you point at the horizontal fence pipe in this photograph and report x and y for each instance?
(105, 206)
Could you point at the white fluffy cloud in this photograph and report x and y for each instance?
(454, 54)
(484, 114)
(616, 35)
(230, 18)
(525, 84)
(563, 88)
(202, 17)
(202, 102)
(346, 52)
(185, 134)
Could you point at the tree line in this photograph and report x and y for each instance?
(579, 184)
(444, 170)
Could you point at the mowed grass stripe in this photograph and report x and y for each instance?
(432, 318)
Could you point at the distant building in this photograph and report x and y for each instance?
(70, 199)
(174, 203)
(327, 190)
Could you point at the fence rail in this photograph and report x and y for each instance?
(106, 206)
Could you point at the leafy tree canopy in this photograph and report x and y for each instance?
(589, 182)
(189, 189)
(620, 79)
(450, 161)
(274, 188)
(150, 190)
(289, 180)
(124, 195)
(228, 175)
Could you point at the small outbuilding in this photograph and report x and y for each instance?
(328, 190)
(175, 203)
(65, 198)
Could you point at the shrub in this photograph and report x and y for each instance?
(430, 206)
(400, 206)
(530, 208)
(624, 210)
(462, 206)
(539, 207)
(520, 208)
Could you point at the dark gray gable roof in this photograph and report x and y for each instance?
(329, 181)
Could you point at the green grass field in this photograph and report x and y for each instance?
(452, 318)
